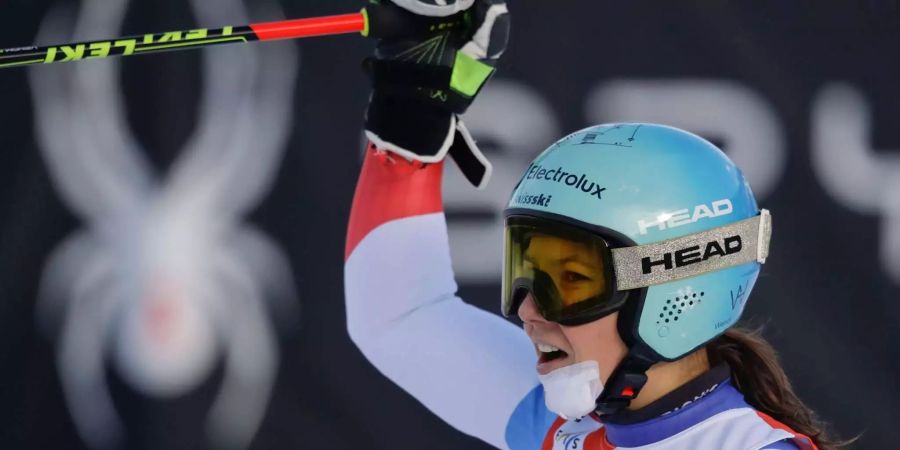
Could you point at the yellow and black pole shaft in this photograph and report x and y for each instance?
(182, 40)
(376, 21)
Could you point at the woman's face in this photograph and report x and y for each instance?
(577, 271)
(594, 341)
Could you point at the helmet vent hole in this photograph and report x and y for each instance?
(674, 308)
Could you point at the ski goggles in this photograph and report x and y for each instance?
(575, 275)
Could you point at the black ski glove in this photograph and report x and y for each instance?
(423, 80)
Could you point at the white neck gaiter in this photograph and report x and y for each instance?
(572, 391)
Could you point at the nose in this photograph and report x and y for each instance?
(528, 311)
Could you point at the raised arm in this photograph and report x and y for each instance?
(471, 368)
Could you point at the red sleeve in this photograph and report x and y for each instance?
(389, 188)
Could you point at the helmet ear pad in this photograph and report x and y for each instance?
(627, 321)
(627, 326)
(671, 320)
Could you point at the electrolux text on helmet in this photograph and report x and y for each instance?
(558, 175)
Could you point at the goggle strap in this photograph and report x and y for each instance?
(695, 254)
(765, 235)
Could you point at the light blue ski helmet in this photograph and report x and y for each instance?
(667, 201)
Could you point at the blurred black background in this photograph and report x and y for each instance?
(764, 70)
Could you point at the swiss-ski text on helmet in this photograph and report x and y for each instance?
(536, 200)
(558, 175)
(692, 255)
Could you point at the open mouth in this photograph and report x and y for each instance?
(550, 353)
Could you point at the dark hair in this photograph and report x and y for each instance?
(757, 373)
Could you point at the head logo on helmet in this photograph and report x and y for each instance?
(683, 216)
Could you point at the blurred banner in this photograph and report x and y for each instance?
(172, 226)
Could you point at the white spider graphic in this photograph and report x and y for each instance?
(164, 278)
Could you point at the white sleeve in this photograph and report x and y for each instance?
(468, 366)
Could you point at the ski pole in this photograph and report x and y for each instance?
(376, 21)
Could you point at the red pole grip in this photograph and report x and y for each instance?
(319, 26)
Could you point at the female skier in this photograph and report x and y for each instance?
(631, 250)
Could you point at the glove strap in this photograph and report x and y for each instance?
(469, 158)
